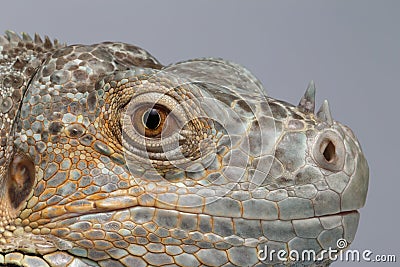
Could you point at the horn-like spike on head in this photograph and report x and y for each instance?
(47, 42)
(26, 37)
(324, 113)
(12, 36)
(307, 102)
(38, 40)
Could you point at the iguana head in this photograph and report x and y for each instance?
(116, 159)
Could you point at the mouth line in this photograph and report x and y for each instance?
(342, 213)
(99, 209)
(121, 203)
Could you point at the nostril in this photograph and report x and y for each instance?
(329, 152)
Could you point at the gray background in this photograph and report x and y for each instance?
(350, 48)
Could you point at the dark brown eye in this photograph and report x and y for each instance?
(21, 179)
(150, 121)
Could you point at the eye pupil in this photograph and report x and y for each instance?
(151, 119)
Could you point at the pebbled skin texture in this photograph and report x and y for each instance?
(223, 172)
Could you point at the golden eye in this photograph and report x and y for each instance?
(149, 121)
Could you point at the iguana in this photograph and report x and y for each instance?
(109, 158)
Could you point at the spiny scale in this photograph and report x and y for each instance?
(324, 113)
(307, 105)
(307, 102)
(13, 37)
